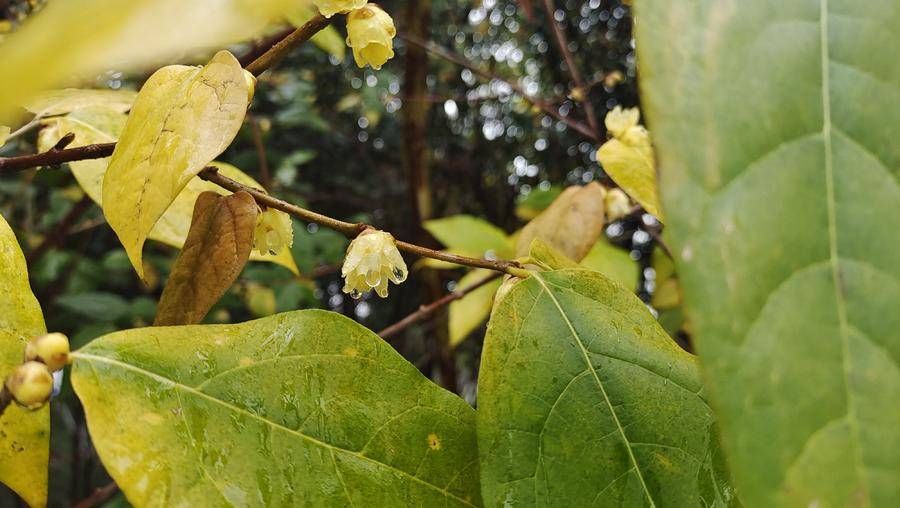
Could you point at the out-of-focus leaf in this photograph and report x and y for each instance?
(82, 38)
(182, 119)
(95, 305)
(536, 202)
(60, 102)
(783, 210)
(583, 400)
(260, 300)
(328, 39)
(667, 295)
(634, 171)
(613, 262)
(215, 251)
(469, 312)
(4, 134)
(300, 406)
(470, 235)
(571, 224)
(24, 435)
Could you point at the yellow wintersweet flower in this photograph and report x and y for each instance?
(329, 8)
(273, 232)
(372, 260)
(619, 121)
(370, 33)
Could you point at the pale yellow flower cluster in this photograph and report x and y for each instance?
(372, 261)
(273, 232)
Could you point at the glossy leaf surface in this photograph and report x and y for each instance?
(281, 411)
(584, 400)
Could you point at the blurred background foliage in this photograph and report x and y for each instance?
(325, 134)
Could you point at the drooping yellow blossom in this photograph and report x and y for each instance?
(273, 232)
(372, 260)
(329, 8)
(370, 33)
(616, 204)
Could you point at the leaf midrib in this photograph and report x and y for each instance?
(593, 371)
(109, 361)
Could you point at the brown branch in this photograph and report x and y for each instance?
(258, 48)
(287, 44)
(426, 311)
(563, 44)
(55, 157)
(99, 496)
(541, 104)
(211, 174)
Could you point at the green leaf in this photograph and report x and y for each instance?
(633, 170)
(57, 43)
(182, 119)
(613, 262)
(295, 408)
(469, 312)
(471, 236)
(776, 129)
(99, 305)
(584, 400)
(24, 435)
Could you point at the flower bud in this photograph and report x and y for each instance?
(617, 204)
(329, 8)
(30, 384)
(274, 231)
(370, 33)
(51, 349)
(372, 260)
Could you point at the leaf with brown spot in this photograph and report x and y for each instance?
(571, 224)
(216, 250)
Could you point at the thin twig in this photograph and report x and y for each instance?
(258, 48)
(261, 157)
(211, 174)
(543, 105)
(426, 311)
(56, 157)
(285, 45)
(563, 44)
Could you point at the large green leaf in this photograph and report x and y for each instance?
(24, 435)
(776, 130)
(300, 408)
(584, 400)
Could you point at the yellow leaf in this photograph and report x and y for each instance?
(81, 38)
(469, 312)
(215, 251)
(182, 119)
(4, 134)
(613, 262)
(24, 435)
(102, 125)
(632, 168)
(60, 102)
(571, 224)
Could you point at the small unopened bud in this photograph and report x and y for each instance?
(370, 33)
(51, 349)
(30, 384)
(617, 204)
(578, 94)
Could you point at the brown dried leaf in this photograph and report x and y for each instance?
(216, 250)
(571, 224)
